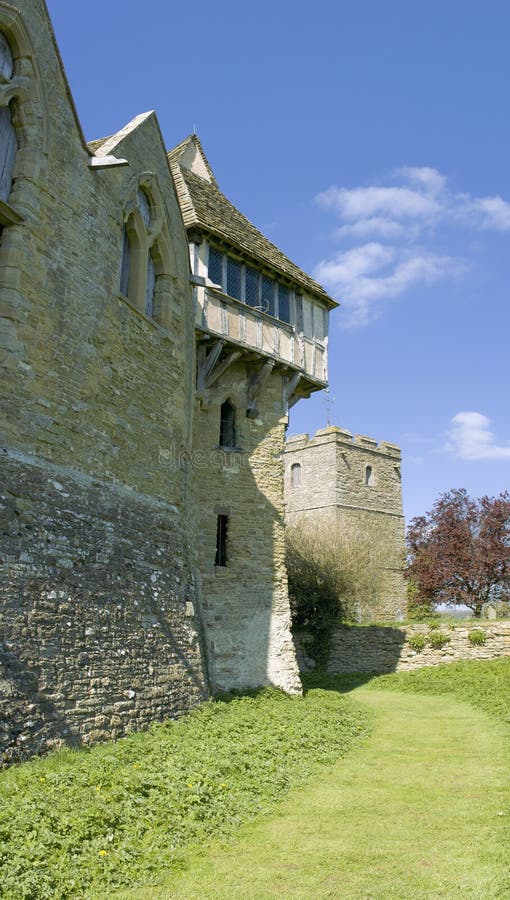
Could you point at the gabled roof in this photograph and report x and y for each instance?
(204, 207)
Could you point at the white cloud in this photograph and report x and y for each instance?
(430, 179)
(376, 226)
(364, 202)
(389, 221)
(470, 438)
(367, 274)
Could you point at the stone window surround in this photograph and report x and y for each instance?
(25, 91)
(222, 525)
(154, 239)
(228, 425)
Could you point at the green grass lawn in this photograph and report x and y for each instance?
(258, 797)
(89, 822)
(422, 810)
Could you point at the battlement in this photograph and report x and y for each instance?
(334, 434)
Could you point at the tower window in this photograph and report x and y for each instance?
(295, 475)
(221, 541)
(227, 425)
(369, 476)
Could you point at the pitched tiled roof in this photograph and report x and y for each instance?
(203, 206)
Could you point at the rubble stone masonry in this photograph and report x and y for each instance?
(353, 482)
(99, 616)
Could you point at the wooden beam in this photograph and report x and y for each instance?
(256, 382)
(289, 389)
(221, 368)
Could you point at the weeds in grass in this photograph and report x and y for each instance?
(84, 823)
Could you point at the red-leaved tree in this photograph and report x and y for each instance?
(460, 551)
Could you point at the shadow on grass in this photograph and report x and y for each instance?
(342, 684)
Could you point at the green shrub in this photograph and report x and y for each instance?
(438, 640)
(477, 637)
(335, 574)
(417, 642)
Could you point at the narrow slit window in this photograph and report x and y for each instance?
(221, 541)
(295, 475)
(369, 476)
(227, 425)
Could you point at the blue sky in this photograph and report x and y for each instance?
(370, 140)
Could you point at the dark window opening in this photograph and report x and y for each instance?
(233, 278)
(215, 271)
(221, 541)
(369, 476)
(295, 475)
(252, 287)
(283, 304)
(268, 295)
(227, 425)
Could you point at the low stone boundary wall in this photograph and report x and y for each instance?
(379, 648)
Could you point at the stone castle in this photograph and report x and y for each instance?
(353, 482)
(152, 341)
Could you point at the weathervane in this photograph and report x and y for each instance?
(329, 400)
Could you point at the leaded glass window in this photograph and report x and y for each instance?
(6, 60)
(144, 207)
(299, 313)
(233, 278)
(150, 287)
(283, 303)
(252, 287)
(267, 296)
(215, 266)
(126, 263)
(319, 322)
(8, 141)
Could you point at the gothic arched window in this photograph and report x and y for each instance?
(227, 425)
(8, 140)
(369, 476)
(295, 475)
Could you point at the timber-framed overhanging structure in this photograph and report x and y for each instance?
(252, 304)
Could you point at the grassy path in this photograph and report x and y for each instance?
(421, 811)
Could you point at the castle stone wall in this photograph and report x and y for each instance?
(246, 608)
(96, 559)
(381, 649)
